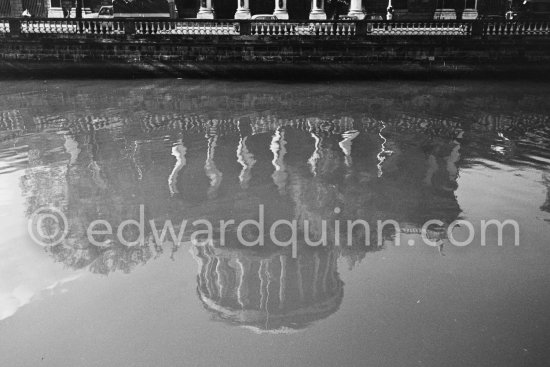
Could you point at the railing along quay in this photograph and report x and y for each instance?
(279, 28)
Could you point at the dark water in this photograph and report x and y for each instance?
(316, 153)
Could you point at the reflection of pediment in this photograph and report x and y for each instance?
(268, 290)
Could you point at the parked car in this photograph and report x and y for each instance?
(445, 14)
(105, 11)
(136, 9)
(264, 17)
(374, 16)
(492, 17)
(347, 17)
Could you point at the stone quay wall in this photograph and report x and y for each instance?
(352, 55)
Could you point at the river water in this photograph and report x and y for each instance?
(164, 152)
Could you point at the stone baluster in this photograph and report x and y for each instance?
(318, 10)
(356, 9)
(205, 10)
(243, 10)
(280, 9)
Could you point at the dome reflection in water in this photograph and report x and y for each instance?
(188, 157)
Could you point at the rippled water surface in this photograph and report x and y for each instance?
(324, 154)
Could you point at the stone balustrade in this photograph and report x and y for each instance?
(516, 28)
(429, 28)
(4, 26)
(170, 27)
(72, 26)
(280, 28)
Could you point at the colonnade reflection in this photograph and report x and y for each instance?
(333, 159)
(296, 173)
(402, 164)
(300, 174)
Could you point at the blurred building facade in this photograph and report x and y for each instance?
(293, 9)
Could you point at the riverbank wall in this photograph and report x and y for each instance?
(351, 54)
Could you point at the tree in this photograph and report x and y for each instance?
(333, 7)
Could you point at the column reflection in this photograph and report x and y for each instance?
(178, 151)
(210, 168)
(244, 156)
(268, 291)
(278, 147)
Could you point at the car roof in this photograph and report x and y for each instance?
(269, 16)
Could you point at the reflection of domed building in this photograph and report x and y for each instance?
(268, 291)
(200, 154)
(301, 169)
(188, 155)
(307, 155)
